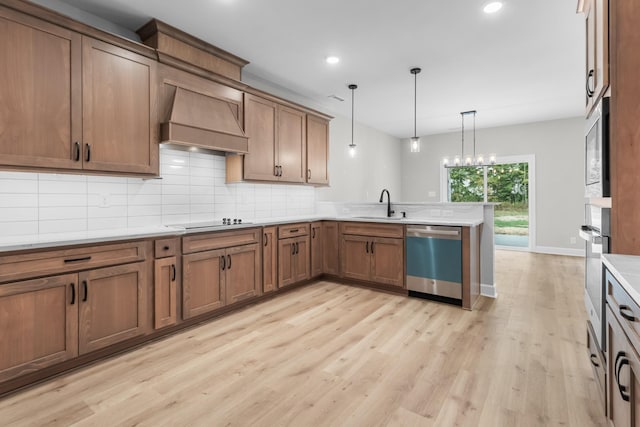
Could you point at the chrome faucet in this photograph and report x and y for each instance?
(389, 211)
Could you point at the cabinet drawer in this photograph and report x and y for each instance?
(293, 230)
(597, 361)
(166, 247)
(372, 229)
(624, 308)
(218, 240)
(37, 264)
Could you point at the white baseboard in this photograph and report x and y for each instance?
(551, 250)
(488, 291)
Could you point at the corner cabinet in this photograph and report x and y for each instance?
(71, 102)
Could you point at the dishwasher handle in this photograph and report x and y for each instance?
(434, 232)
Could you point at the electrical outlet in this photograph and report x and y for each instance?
(572, 240)
(105, 200)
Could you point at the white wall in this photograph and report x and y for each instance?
(558, 147)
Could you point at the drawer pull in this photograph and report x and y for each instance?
(295, 230)
(88, 152)
(87, 258)
(223, 262)
(86, 290)
(266, 239)
(229, 262)
(73, 293)
(77, 149)
(173, 272)
(593, 358)
(166, 248)
(621, 357)
(629, 317)
(372, 247)
(367, 249)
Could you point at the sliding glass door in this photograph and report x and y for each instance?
(506, 183)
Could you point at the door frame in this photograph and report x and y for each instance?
(522, 158)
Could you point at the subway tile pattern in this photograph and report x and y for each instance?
(192, 188)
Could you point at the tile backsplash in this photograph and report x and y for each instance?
(192, 189)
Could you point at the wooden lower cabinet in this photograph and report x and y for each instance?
(270, 259)
(293, 260)
(387, 261)
(202, 287)
(242, 273)
(112, 305)
(165, 292)
(316, 249)
(373, 259)
(330, 248)
(39, 321)
(356, 262)
(623, 376)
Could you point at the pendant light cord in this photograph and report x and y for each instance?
(462, 147)
(415, 103)
(352, 97)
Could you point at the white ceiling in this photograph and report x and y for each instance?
(522, 64)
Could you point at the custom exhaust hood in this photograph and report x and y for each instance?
(202, 121)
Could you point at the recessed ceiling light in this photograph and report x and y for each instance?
(493, 7)
(332, 60)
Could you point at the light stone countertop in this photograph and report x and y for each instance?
(53, 240)
(626, 269)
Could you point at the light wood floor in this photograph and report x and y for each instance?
(330, 354)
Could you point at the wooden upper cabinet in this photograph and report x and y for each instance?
(119, 92)
(597, 51)
(40, 93)
(39, 324)
(317, 150)
(292, 159)
(260, 127)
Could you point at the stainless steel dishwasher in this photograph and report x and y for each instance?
(434, 263)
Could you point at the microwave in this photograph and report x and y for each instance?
(597, 167)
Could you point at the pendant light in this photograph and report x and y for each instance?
(415, 141)
(352, 146)
(462, 161)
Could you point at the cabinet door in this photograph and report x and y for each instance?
(112, 305)
(118, 102)
(260, 127)
(286, 266)
(165, 297)
(242, 274)
(330, 248)
(619, 373)
(291, 145)
(317, 150)
(40, 93)
(302, 259)
(316, 249)
(356, 260)
(202, 282)
(590, 73)
(269, 259)
(387, 265)
(39, 321)
(601, 48)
